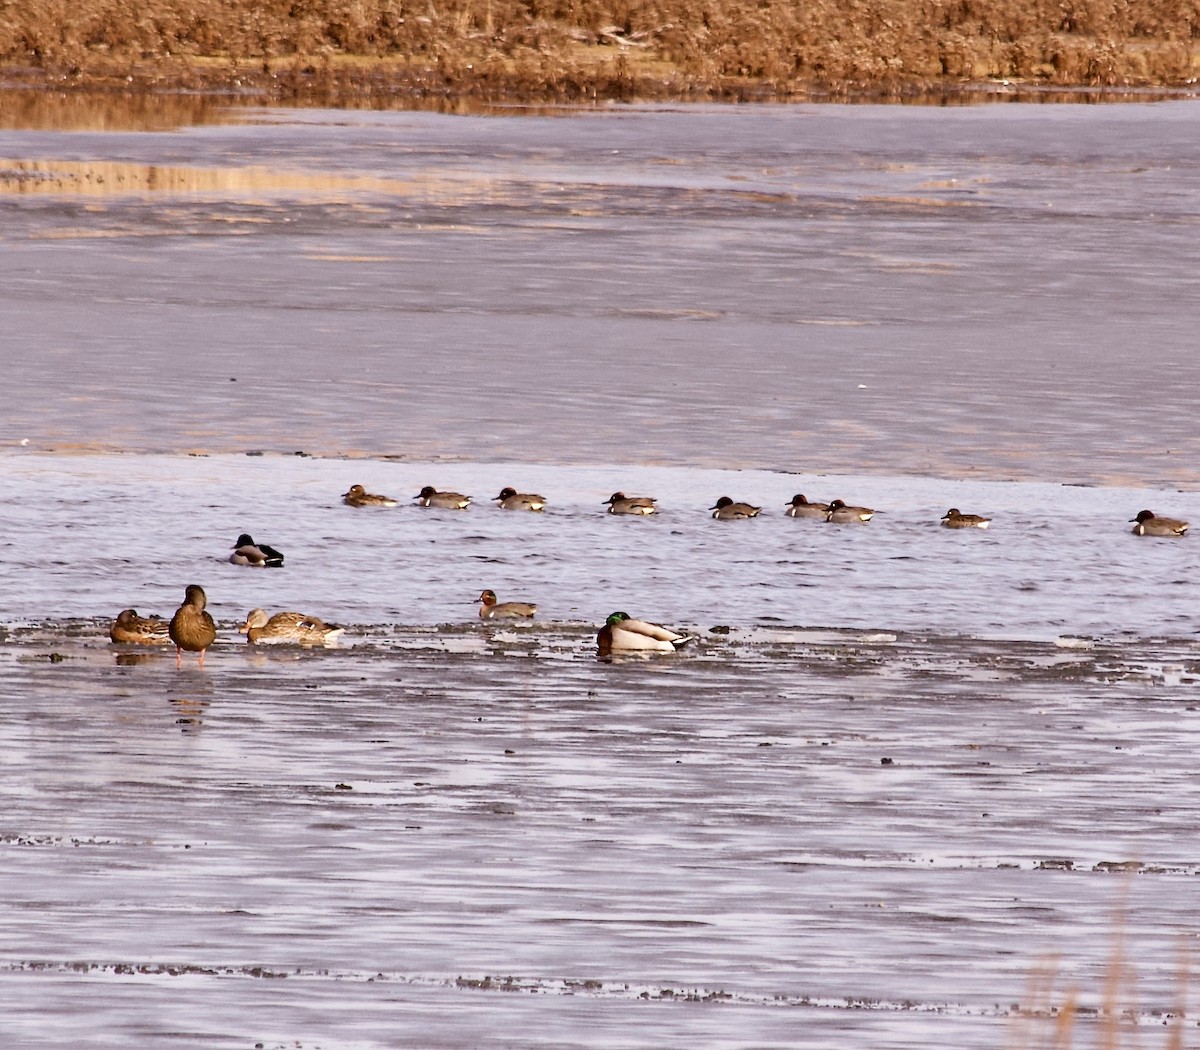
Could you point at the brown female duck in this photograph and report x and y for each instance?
(131, 629)
(191, 627)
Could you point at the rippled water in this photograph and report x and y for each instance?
(130, 530)
(921, 772)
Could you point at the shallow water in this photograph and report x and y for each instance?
(115, 531)
(921, 770)
(918, 766)
(1001, 291)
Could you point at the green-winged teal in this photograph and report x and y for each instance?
(956, 519)
(725, 509)
(801, 508)
(430, 497)
(492, 608)
(619, 503)
(840, 513)
(360, 497)
(1147, 523)
(511, 499)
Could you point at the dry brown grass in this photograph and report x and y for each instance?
(1051, 1021)
(571, 49)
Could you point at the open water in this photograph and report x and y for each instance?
(919, 787)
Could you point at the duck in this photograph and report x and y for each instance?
(511, 499)
(801, 508)
(619, 503)
(131, 629)
(247, 552)
(840, 513)
(622, 633)
(430, 497)
(1147, 523)
(289, 628)
(492, 608)
(726, 509)
(956, 519)
(360, 497)
(191, 627)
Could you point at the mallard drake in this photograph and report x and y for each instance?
(130, 629)
(801, 508)
(360, 497)
(511, 499)
(191, 627)
(619, 503)
(430, 497)
(1147, 523)
(840, 513)
(286, 628)
(491, 608)
(622, 633)
(247, 552)
(956, 519)
(725, 509)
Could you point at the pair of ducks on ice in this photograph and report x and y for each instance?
(620, 633)
(192, 627)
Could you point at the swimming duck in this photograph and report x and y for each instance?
(956, 519)
(622, 633)
(726, 509)
(286, 628)
(130, 629)
(511, 499)
(191, 627)
(430, 497)
(491, 608)
(1150, 524)
(840, 513)
(360, 497)
(247, 552)
(801, 508)
(619, 503)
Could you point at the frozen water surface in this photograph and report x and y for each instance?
(917, 786)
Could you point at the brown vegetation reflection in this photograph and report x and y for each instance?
(57, 110)
(122, 178)
(568, 49)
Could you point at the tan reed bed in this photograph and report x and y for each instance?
(572, 49)
(1051, 1021)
